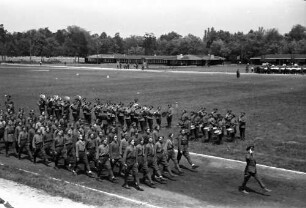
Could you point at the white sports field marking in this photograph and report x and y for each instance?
(238, 161)
(96, 190)
(43, 70)
(149, 70)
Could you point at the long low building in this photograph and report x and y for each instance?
(280, 59)
(179, 60)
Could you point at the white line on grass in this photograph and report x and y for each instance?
(96, 190)
(238, 161)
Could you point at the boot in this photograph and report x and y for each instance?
(138, 187)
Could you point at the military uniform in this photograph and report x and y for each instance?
(242, 124)
(9, 138)
(143, 163)
(48, 140)
(161, 157)
(158, 116)
(251, 171)
(59, 148)
(24, 143)
(115, 156)
(150, 154)
(169, 116)
(69, 150)
(38, 149)
(103, 158)
(183, 141)
(130, 159)
(81, 156)
(169, 147)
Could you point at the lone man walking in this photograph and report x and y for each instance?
(250, 170)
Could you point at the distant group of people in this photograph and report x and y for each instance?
(283, 69)
(127, 65)
(212, 126)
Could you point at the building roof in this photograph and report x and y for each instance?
(191, 58)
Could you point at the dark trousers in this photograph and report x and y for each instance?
(121, 120)
(58, 154)
(172, 156)
(82, 159)
(150, 123)
(169, 121)
(7, 147)
(152, 163)
(247, 176)
(185, 152)
(158, 122)
(48, 149)
(143, 125)
(242, 133)
(128, 122)
(39, 151)
(69, 154)
(143, 167)
(25, 145)
(104, 162)
(118, 162)
(76, 116)
(131, 167)
(162, 160)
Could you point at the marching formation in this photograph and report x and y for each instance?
(122, 140)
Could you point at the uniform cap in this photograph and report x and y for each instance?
(249, 147)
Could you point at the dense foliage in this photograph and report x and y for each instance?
(76, 41)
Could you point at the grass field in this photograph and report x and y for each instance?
(275, 105)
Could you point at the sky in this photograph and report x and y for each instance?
(137, 17)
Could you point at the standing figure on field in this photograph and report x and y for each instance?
(170, 113)
(251, 171)
(242, 124)
(183, 149)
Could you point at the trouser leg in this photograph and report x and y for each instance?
(246, 179)
(187, 156)
(259, 181)
(29, 151)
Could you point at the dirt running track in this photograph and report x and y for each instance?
(23, 196)
(214, 184)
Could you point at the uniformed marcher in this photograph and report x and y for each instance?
(69, 150)
(183, 141)
(170, 113)
(150, 154)
(59, 148)
(103, 158)
(161, 156)
(115, 156)
(158, 116)
(23, 143)
(38, 145)
(81, 155)
(130, 159)
(143, 163)
(9, 138)
(42, 103)
(48, 140)
(242, 124)
(169, 148)
(251, 171)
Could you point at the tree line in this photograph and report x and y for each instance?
(78, 42)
